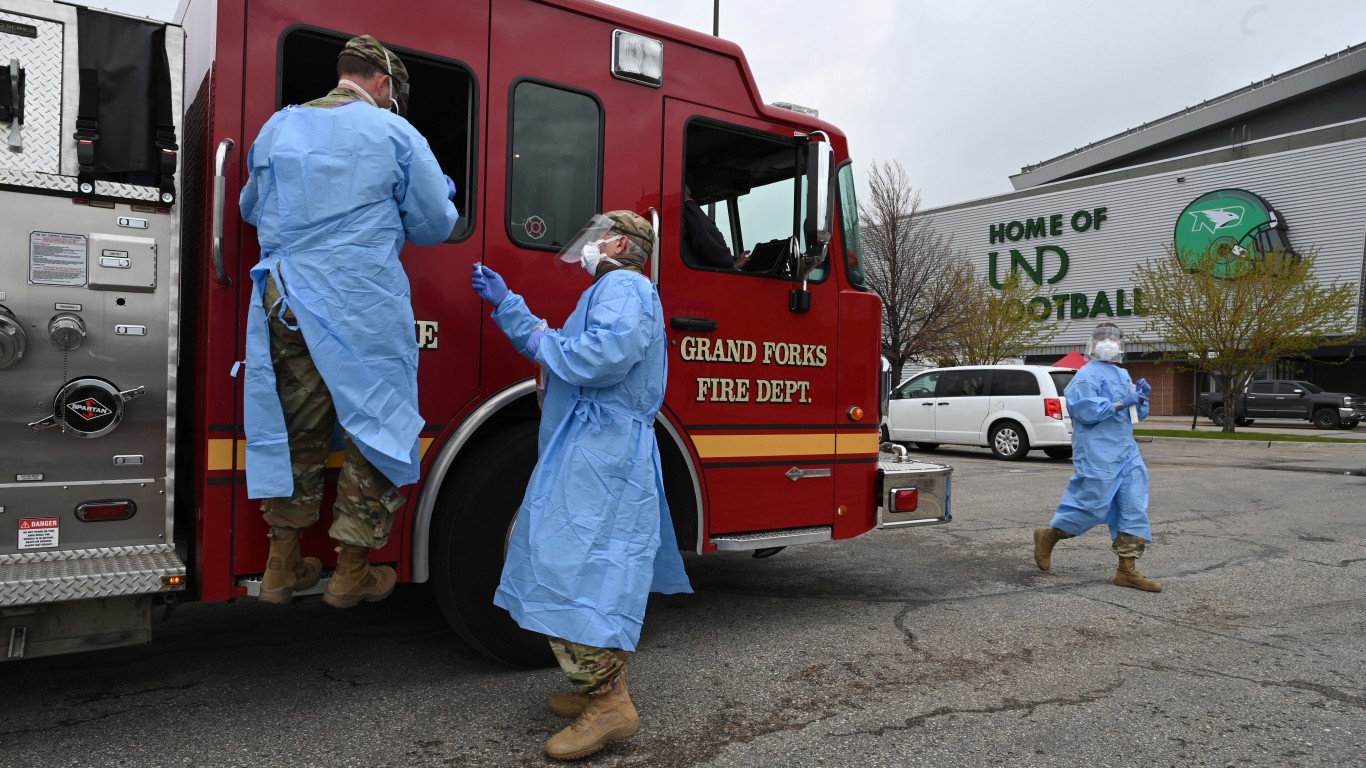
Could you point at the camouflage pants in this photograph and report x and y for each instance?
(1124, 545)
(588, 667)
(366, 501)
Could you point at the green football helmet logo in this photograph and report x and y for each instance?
(1230, 224)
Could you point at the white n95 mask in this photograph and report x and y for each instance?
(1106, 350)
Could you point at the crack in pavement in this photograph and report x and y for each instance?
(1186, 625)
(1326, 691)
(1008, 705)
(70, 722)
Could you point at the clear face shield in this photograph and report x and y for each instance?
(584, 248)
(1106, 344)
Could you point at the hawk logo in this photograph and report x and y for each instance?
(1211, 219)
(89, 409)
(1229, 225)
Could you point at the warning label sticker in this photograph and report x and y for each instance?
(56, 259)
(38, 532)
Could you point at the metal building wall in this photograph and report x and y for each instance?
(1320, 191)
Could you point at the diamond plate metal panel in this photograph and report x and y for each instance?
(67, 184)
(41, 58)
(49, 577)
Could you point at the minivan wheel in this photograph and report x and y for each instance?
(1008, 441)
(1059, 452)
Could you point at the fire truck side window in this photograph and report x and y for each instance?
(441, 108)
(849, 228)
(555, 172)
(751, 185)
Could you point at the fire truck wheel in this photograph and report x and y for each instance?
(474, 513)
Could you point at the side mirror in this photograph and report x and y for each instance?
(819, 221)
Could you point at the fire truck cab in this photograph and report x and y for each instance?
(124, 288)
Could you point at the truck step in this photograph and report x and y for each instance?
(82, 574)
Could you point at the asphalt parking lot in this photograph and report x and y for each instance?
(937, 646)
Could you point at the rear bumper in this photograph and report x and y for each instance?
(932, 483)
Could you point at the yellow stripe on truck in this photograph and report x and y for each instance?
(227, 454)
(784, 444)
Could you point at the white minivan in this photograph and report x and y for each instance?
(1009, 408)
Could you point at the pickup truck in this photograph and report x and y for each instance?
(1287, 399)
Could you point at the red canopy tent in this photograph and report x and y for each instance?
(1073, 360)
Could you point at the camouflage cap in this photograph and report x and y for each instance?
(368, 48)
(636, 229)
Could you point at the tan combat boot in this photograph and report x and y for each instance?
(609, 716)
(1128, 576)
(356, 580)
(1044, 539)
(285, 570)
(568, 704)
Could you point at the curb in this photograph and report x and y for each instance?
(1255, 443)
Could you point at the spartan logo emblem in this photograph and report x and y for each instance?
(89, 409)
(1230, 224)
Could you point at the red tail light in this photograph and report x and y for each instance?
(905, 500)
(119, 509)
(1052, 408)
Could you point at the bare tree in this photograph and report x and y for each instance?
(998, 324)
(911, 267)
(1230, 315)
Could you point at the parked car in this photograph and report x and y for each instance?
(1009, 408)
(1287, 399)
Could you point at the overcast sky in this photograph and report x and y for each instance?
(964, 92)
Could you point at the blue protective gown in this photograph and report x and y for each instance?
(1110, 484)
(333, 194)
(593, 536)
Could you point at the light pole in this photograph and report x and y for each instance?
(716, 18)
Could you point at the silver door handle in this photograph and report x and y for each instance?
(654, 256)
(220, 159)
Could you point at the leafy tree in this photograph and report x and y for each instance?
(911, 266)
(996, 325)
(1231, 314)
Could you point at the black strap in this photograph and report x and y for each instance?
(87, 130)
(4, 92)
(166, 137)
(9, 109)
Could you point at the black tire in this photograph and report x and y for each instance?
(1327, 418)
(1009, 441)
(884, 436)
(1059, 452)
(474, 514)
(927, 446)
(1216, 415)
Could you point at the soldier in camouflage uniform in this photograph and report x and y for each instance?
(367, 499)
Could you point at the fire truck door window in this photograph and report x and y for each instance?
(441, 108)
(555, 171)
(751, 185)
(849, 227)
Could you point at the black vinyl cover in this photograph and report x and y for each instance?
(127, 59)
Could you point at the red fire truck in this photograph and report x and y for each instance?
(124, 289)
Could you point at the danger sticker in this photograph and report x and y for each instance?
(39, 532)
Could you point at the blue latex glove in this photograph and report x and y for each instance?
(1143, 388)
(450, 187)
(489, 285)
(533, 341)
(1132, 398)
